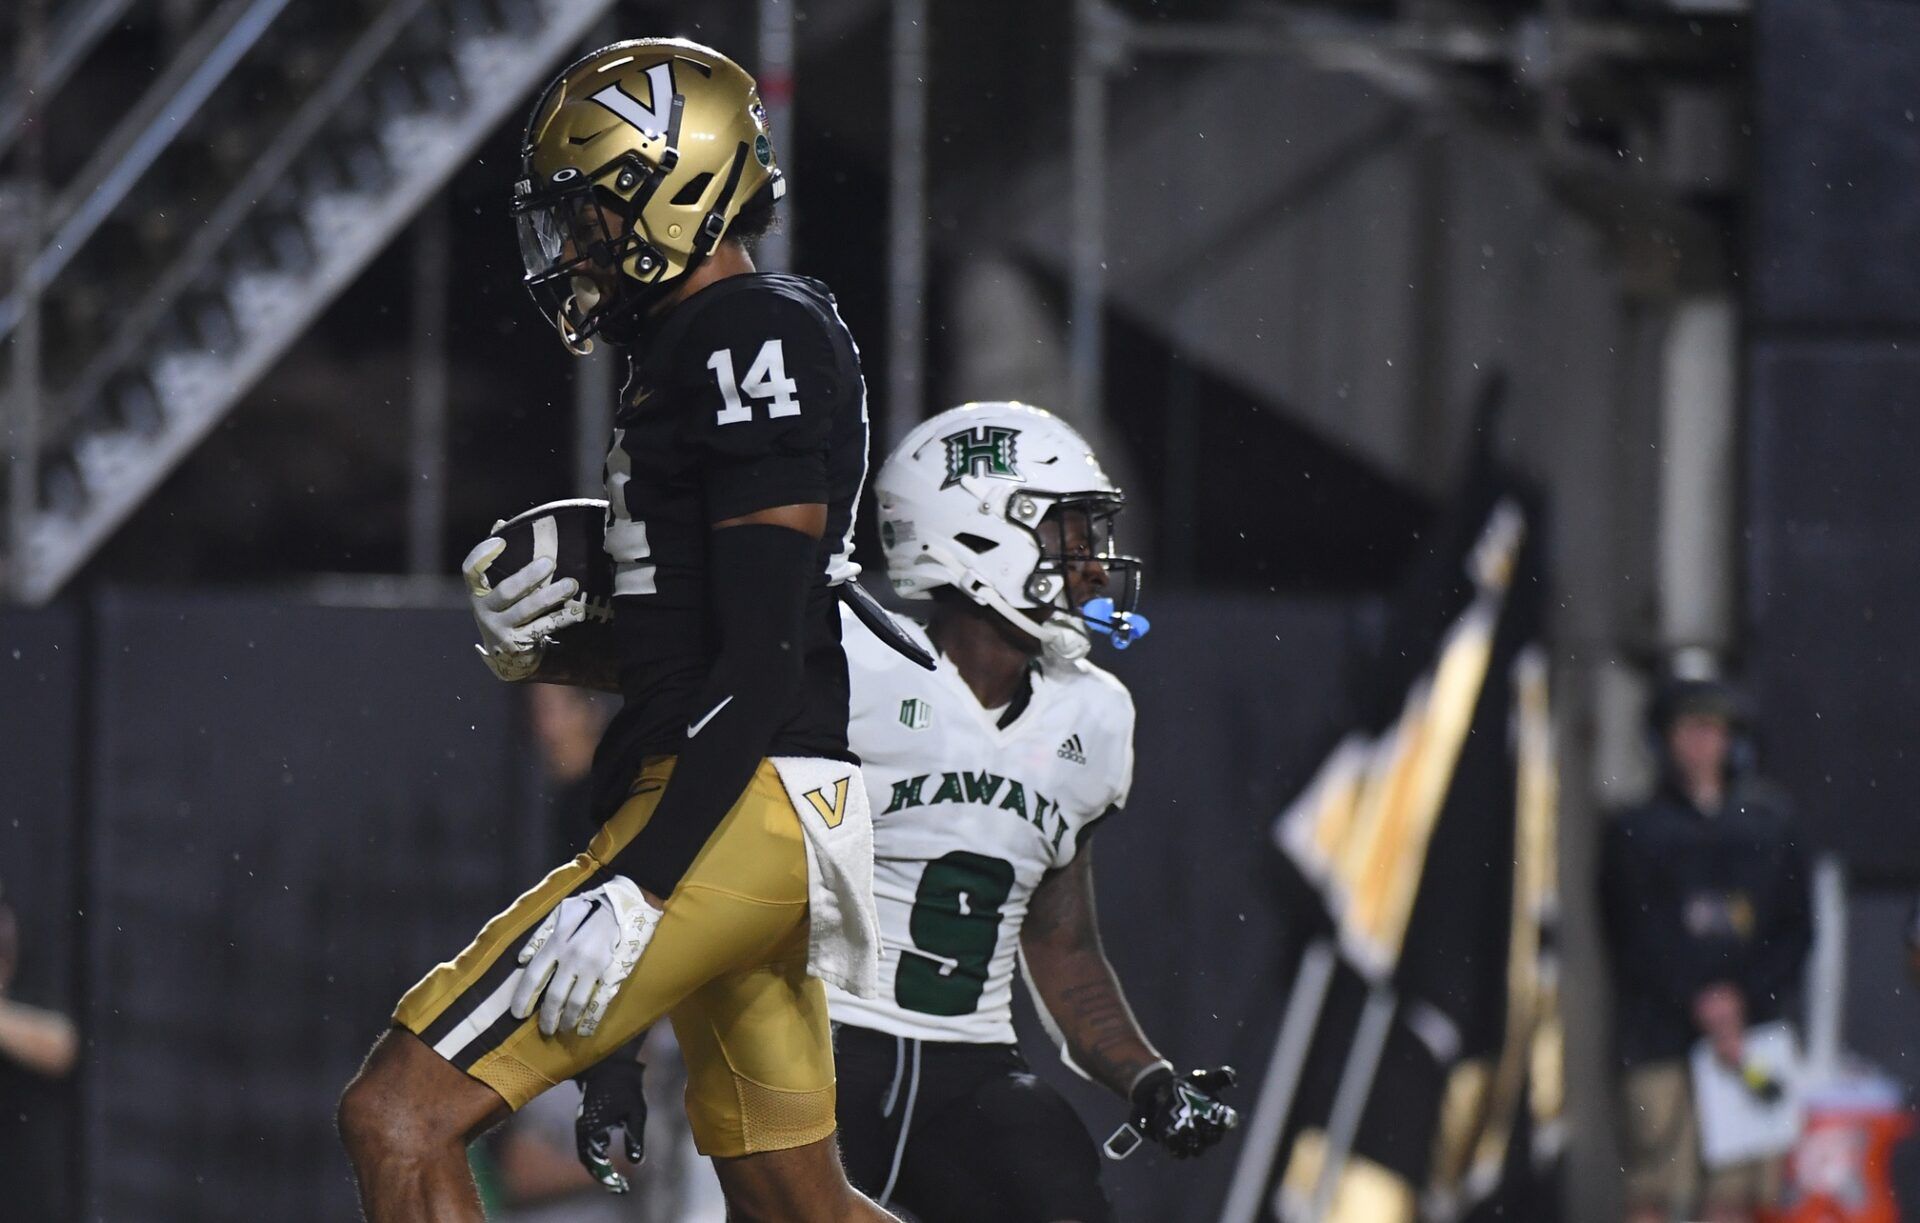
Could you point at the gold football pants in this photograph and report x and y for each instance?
(727, 964)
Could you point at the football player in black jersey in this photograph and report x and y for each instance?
(738, 453)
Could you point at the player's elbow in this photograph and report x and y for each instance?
(766, 675)
(1058, 953)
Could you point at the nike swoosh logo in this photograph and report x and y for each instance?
(595, 902)
(694, 728)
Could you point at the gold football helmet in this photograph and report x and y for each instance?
(636, 160)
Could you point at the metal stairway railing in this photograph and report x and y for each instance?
(129, 151)
(420, 85)
(76, 32)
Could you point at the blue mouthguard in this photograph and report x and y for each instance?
(1122, 628)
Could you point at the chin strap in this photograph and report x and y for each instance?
(576, 345)
(1061, 635)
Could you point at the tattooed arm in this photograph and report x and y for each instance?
(1069, 970)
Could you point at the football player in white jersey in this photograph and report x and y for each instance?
(987, 778)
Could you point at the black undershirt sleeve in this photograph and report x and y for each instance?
(761, 576)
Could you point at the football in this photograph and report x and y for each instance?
(570, 532)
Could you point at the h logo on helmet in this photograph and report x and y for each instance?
(652, 118)
(986, 450)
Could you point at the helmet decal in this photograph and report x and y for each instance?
(651, 119)
(985, 450)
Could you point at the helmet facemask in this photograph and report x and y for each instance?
(580, 239)
(1074, 533)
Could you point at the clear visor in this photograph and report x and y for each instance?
(563, 230)
(542, 241)
(573, 233)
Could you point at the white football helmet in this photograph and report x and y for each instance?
(961, 502)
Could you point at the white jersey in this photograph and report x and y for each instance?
(967, 819)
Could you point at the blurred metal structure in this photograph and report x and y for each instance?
(1100, 45)
(166, 110)
(1826, 984)
(427, 434)
(406, 92)
(52, 60)
(21, 417)
(595, 382)
(905, 403)
(774, 72)
(1626, 116)
(1699, 477)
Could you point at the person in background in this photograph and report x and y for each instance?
(1704, 894)
(38, 1050)
(566, 724)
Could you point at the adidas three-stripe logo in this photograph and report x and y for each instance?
(1071, 750)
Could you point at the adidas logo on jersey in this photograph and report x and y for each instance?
(1071, 750)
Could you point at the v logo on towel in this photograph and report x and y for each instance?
(835, 811)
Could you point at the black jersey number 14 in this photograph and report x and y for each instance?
(956, 921)
(766, 379)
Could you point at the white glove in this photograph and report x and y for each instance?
(516, 617)
(605, 931)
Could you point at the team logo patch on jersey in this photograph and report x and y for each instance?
(915, 714)
(1071, 750)
(834, 810)
(986, 450)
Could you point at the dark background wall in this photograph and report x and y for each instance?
(1833, 370)
(42, 678)
(283, 814)
(1833, 394)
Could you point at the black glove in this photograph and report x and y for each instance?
(1183, 1113)
(610, 1099)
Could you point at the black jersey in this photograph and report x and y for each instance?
(746, 396)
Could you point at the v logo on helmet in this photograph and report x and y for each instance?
(652, 117)
(985, 450)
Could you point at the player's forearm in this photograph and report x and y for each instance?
(1069, 970)
(43, 1041)
(1084, 998)
(762, 576)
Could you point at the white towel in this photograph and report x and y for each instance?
(843, 938)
